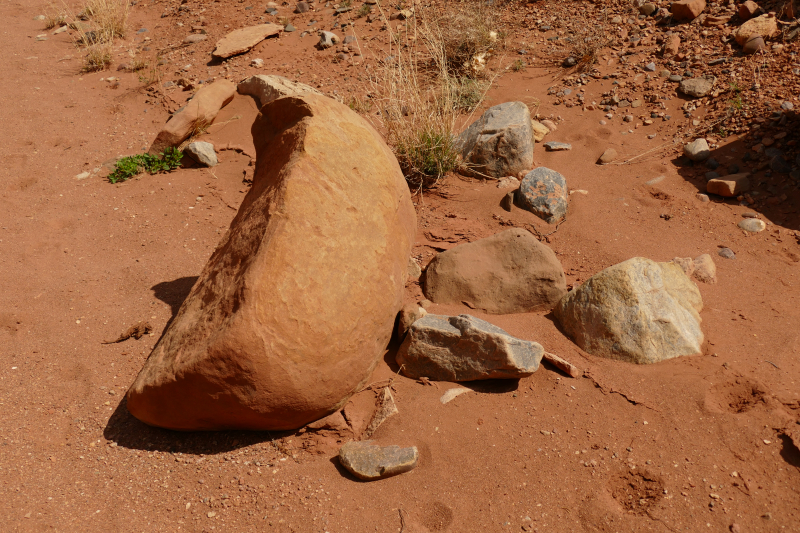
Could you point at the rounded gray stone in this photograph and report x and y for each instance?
(369, 461)
(543, 192)
(202, 152)
(752, 225)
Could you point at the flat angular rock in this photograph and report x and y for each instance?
(465, 348)
(242, 40)
(697, 87)
(267, 88)
(637, 311)
(500, 142)
(729, 186)
(687, 9)
(557, 146)
(369, 461)
(263, 340)
(194, 38)
(697, 150)
(539, 130)
(704, 269)
(672, 44)
(203, 153)
(510, 272)
(543, 192)
(766, 26)
(200, 111)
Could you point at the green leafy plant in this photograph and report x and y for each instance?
(132, 165)
(428, 156)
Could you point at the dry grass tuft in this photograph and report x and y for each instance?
(55, 18)
(111, 17)
(423, 83)
(98, 57)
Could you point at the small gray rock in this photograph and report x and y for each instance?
(727, 253)
(289, 28)
(787, 105)
(697, 150)
(697, 87)
(543, 192)
(675, 78)
(465, 348)
(301, 7)
(500, 142)
(557, 147)
(650, 67)
(369, 461)
(194, 38)
(753, 225)
(203, 153)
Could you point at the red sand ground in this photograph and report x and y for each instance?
(693, 444)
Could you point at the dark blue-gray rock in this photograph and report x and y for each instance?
(779, 164)
(733, 168)
(465, 348)
(697, 87)
(727, 253)
(500, 142)
(369, 461)
(711, 175)
(553, 146)
(638, 311)
(289, 28)
(203, 153)
(543, 192)
(569, 62)
(712, 163)
(697, 150)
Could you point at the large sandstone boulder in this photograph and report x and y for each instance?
(198, 112)
(241, 40)
(294, 308)
(638, 311)
(265, 88)
(510, 272)
(500, 143)
(465, 348)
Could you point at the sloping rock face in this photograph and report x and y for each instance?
(500, 143)
(200, 111)
(267, 88)
(510, 272)
(294, 308)
(638, 311)
(465, 348)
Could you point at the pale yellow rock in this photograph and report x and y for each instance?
(638, 311)
(266, 88)
(539, 130)
(765, 26)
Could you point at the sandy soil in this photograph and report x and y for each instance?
(701, 443)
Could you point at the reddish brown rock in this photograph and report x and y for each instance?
(671, 45)
(729, 186)
(198, 112)
(510, 272)
(687, 9)
(295, 307)
(747, 10)
(241, 40)
(754, 44)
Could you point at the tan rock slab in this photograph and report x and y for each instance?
(766, 26)
(729, 186)
(198, 112)
(242, 40)
(267, 88)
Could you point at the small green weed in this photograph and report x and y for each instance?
(363, 11)
(735, 87)
(518, 65)
(737, 103)
(130, 166)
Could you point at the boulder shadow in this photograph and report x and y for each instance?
(173, 293)
(127, 431)
(789, 451)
